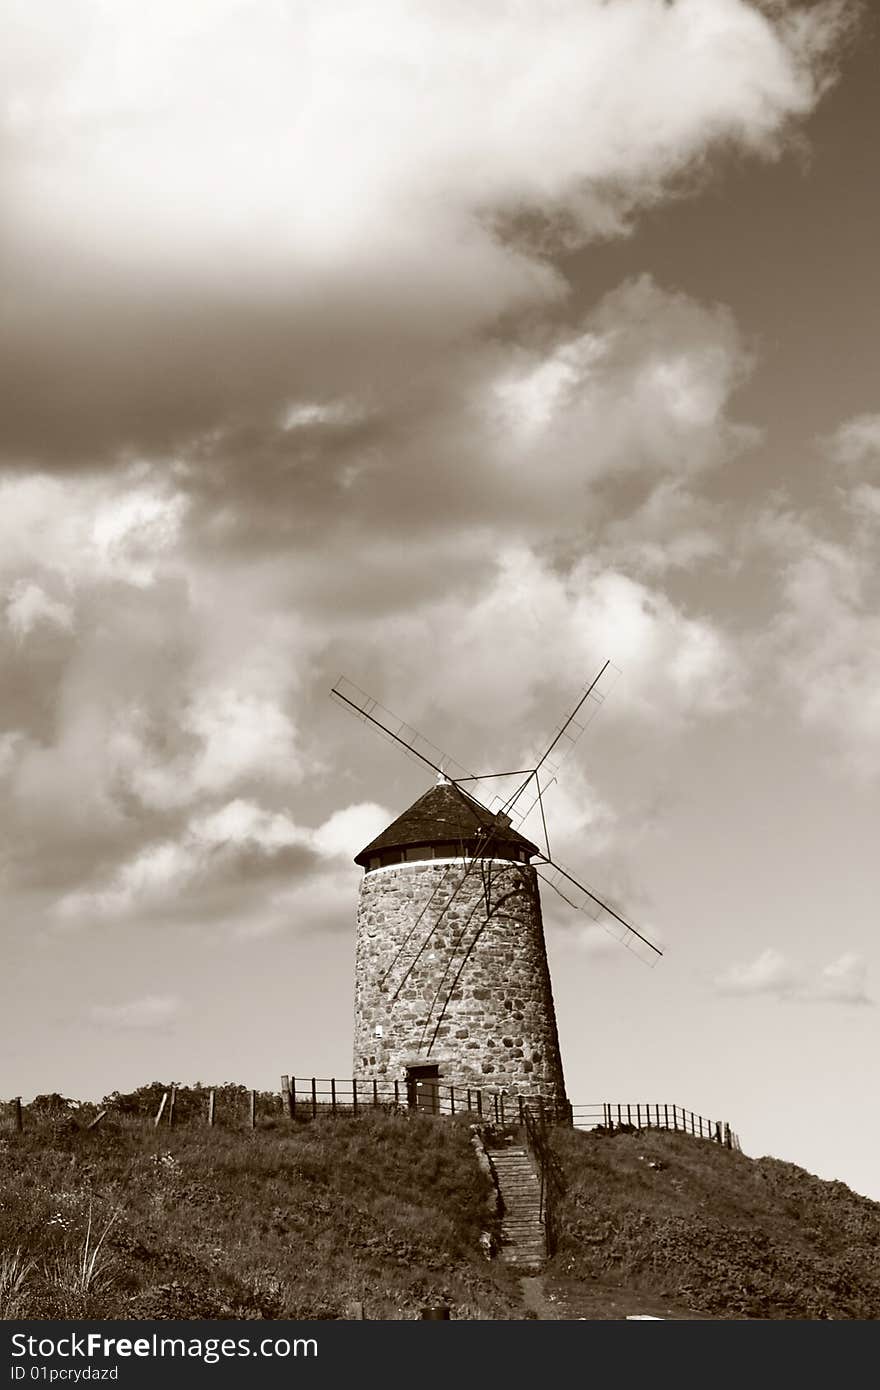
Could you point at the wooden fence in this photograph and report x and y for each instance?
(304, 1098)
(636, 1115)
(310, 1096)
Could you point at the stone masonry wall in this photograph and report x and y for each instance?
(498, 1032)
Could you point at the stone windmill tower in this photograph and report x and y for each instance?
(451, 968)
(452, 982)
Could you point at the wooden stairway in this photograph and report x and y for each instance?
(523, 1234)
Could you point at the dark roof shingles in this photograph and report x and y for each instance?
(444, 812)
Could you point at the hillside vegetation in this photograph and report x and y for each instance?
(285, 1221)
(304, 1219)
(721, 1234)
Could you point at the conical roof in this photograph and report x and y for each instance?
(446, 813)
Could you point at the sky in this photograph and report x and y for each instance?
(456, 349)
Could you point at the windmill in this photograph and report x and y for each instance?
(451, 975)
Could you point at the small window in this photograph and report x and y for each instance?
(416, 852)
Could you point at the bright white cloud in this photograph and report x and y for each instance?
(144, 118)
(29, 604)
(169, 875)
(244, 822)
(87, 530)
(306, 414)
(534, 628)
(133, 529)
(644, 388)
(346, 832)
(856, 443)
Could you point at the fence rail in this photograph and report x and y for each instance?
(310, 1096)
(619, 1115)
(307, 1097)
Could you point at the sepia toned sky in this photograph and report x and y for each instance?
(456, 349)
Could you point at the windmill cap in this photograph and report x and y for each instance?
(446, 814)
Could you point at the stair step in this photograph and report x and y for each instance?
(523, 1235)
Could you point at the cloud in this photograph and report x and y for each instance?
(842, 981)
(318, 401)
(240, 865)
(825, 635)
(378, 109)
(153, 1011)
(121, 528)
(533, 629)
(29, 605)
(204, 212)
(770, 973)
(855, 444)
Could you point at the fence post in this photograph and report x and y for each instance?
(253, 1109)
(502, 1106)
(160, 1112)
(717, 1131)
(480, 1104)
(665, 1115)
(171, 1100)
(19, 1123)
(629, 1118)
(314, 1098)
(375, 1091)
(212, 1099)
(674, 1118)
(97, 1120)
(396, 1092)
(291, 1097)
(728, 1144)
(638, 1115)
(521, 1109)
(469, 1097)
(495, 1100)
(354, 1095)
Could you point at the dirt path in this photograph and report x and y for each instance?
(553, 1299)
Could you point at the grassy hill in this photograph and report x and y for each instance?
(285, 1221)
(300, 1220)
(706, 1229)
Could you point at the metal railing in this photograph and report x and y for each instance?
(637, 1115)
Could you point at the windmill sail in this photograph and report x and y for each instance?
(548, 761)
(414, 744)
(580, 896)
(516, 807)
